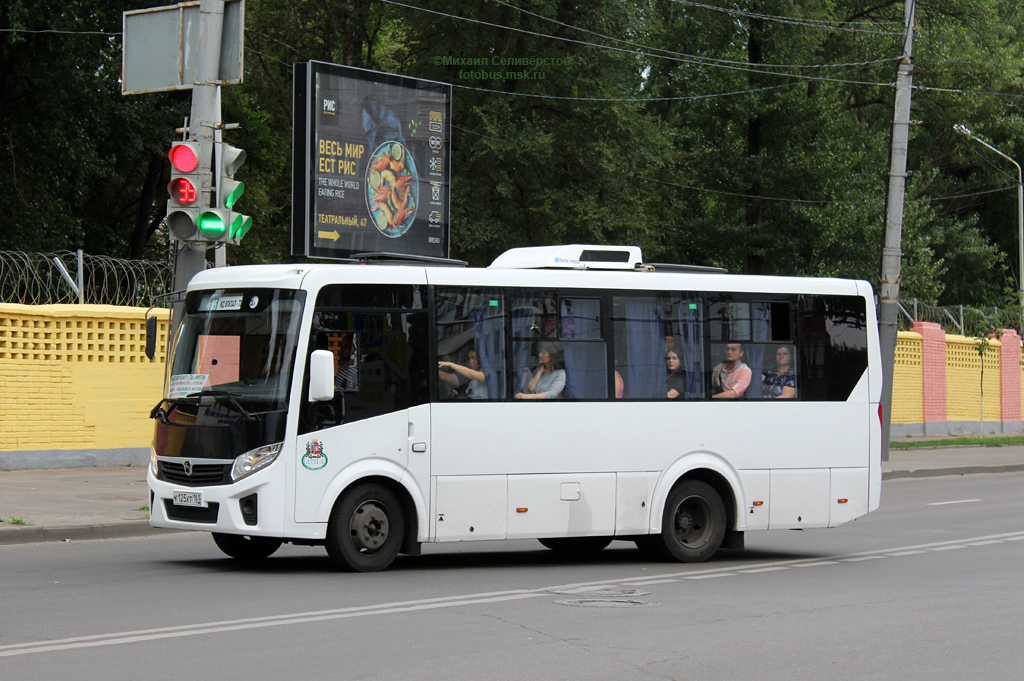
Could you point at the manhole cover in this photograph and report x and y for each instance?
(606, 603)
(601, 592)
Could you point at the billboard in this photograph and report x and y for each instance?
(370, 166)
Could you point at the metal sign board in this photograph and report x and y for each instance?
(160, 44)
(370, 166)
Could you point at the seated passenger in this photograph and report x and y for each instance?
(468, 381)
(549, 381)
(731, 378)
(676, 377)
(780, 382)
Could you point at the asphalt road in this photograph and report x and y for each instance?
(929, 587)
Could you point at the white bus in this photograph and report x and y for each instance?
(568, 394)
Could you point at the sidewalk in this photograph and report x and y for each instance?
(101, 503)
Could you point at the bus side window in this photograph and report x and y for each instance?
(470, 343)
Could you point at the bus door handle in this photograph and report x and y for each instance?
(419, 447)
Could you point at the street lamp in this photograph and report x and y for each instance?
(966, 132)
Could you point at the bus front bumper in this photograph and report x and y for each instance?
(252, 506)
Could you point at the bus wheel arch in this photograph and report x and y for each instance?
(695, 517)
(694, 523)
(372, 521)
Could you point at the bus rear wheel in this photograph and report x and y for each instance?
(693, 525)
(580, 546)
(241, 547)
(366, 529)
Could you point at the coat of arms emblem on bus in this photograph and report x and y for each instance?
(314, 459)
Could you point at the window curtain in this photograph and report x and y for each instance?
(489, 332)
(645, 350)
(690, 342)
(522, 323)
(585, 363)
(761, 324)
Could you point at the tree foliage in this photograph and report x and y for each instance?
(751, 134)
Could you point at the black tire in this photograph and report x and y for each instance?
(249, 549)
(693, 525)
(576, 546)
(366, 529)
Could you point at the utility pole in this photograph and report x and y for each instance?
(205, 117)
(889, 274)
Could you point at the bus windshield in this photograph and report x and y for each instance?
(238, 346)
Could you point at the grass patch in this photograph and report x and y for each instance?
(973, 441)
(15, 521)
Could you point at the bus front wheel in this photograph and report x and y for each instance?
(245, 548)
(366, 529)
(693, 525)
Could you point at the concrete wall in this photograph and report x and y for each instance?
(939, 378)
(76, 387)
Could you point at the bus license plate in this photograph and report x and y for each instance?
(189, 499)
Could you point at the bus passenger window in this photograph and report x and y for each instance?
(470, 343)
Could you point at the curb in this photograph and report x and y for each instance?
(34, 535)
(957, 470)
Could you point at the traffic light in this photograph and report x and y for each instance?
(183, 190)
(229, 190)
(213, 224)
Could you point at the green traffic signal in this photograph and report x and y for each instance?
(211, 225)
(232, 192)
(240, 224)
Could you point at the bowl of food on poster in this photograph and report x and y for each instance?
(392, 189)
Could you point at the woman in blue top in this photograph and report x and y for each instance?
(549, 381)
(780, 383)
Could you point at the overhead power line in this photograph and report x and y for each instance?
(683, 55)
(810, 23)
(764, 69)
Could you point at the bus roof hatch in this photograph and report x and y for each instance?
(573, 256)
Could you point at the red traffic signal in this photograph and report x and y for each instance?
(184, 157)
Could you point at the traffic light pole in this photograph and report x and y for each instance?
(204, 119)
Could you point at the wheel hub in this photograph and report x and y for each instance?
(691, 526)
(369, 526)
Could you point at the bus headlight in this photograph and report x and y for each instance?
(253, 460)
(154, 467)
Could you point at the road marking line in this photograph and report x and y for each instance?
(817, 563)
(948, 548)
(860, 558)
(947, 503)
(908, 553)
(986, 543)
(659, 581)
(202, 628)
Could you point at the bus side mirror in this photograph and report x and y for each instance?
(321, 376)
(151, 337)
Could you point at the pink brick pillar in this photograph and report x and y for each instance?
(1009, 376)
(933, 368)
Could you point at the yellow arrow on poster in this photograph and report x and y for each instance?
(332, 235)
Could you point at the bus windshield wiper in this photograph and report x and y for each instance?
(249, 416)
(158, 412)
